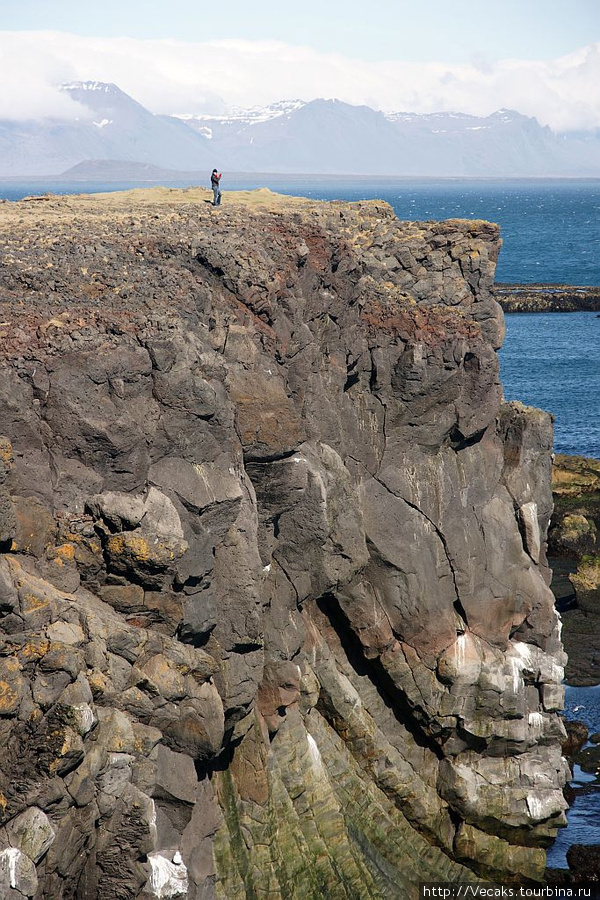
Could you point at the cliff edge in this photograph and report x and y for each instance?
(275, 615)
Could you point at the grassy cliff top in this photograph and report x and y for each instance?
(121, 259)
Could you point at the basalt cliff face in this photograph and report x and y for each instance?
(273, 593)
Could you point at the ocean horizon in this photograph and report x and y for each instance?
(550, 226)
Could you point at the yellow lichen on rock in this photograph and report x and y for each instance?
(65, 552)
(6, 451)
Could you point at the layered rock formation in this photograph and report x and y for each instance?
(275, 608)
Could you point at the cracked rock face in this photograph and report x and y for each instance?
(274, 601)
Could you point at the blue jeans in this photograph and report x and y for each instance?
(216, 195)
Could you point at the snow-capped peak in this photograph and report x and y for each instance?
(252, 116)
(103, 86)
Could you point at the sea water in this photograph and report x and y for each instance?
(550, 227)
(551, 234)
(583, 816)
(552, 361)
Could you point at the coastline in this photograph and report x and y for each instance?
(546, 298)
(574, 556)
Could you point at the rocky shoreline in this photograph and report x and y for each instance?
(274, 597)
(574, 553)
(538, 298)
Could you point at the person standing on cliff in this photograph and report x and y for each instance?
(215, 183)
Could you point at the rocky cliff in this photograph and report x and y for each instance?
(275, 608)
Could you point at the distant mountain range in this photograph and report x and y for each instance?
(117, 128)
(321, 136)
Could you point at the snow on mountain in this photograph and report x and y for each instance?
(117, 127)
(329, 136)
(101, 86)
(292, 136)
(238, 116)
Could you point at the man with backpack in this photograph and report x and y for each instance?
(215, 183)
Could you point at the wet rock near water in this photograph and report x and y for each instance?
(589, 760)
(577, 736)
(584, 862)
(584, 868)
(274, 599)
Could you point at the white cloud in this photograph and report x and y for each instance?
(170, 76)
(34, 71)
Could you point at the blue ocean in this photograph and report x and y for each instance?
(551, 234)
(582, 704)
(552, 361)
(550, 227)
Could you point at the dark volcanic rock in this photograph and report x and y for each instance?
(584, 862)
(589, 760)
(528, 298)
(577, 735)
(275, 614)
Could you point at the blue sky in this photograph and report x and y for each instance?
(539, 57)
(445, 30)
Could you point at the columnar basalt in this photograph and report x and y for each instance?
(274, 594)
